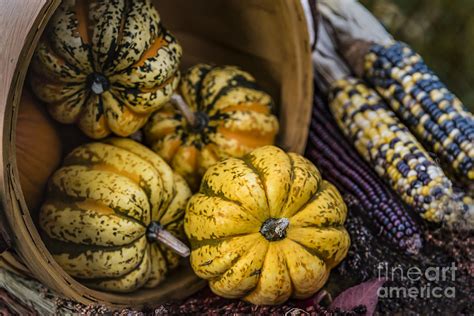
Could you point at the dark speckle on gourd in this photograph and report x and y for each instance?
(266, 231)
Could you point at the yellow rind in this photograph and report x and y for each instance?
(97, 210)
(224, 225)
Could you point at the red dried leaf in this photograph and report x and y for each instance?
(361, 294)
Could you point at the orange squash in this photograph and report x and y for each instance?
(38, 149)
(219, 113)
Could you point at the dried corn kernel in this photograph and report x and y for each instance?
(437, 118)
(393, 151)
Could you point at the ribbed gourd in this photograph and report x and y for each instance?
(105, 65)
(394, 152)
(434, 114)
(362, 190)
(106, 208)
(220, 112)
(266, 227)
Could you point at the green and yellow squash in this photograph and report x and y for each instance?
(266, 227)
(105, 65)
(219, 113)
(105, 209)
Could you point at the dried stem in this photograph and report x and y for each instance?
(184, 108)
(274, 229)
(155, 232)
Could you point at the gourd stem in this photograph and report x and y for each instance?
(156, 232)
(188, 114)
(274, 229)
(97, 83)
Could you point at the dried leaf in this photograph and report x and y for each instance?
(314, 300)
(361, 294)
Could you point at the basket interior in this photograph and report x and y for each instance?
(257, 35)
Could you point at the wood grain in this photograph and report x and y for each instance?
(17, 21)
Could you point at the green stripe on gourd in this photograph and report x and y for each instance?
(220, 112)
(105, 66)
(113, 215)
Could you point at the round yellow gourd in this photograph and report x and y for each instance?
(105, 65)
(104, 211)
(266, 227)
(230, 117)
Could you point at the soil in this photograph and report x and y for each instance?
(369, 258)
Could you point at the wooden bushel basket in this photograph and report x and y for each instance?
(268, 38)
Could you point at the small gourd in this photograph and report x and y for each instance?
(266, 227)
(38, 149)
(219, 113)
(105, 65)
(113, 215)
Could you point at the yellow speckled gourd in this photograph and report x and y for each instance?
(104, 210)
(222, 113)
(266, 227)
(105, 65)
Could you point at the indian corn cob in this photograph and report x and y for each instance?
(393, 151)
(380, 138)
(362, 189)
(435, 115)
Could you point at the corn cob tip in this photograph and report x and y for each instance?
(459, 213)
(413, 244)
(408, 241)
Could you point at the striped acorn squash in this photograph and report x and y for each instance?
(222, 113)
(105, 65)
(266, 227)
(104, 209)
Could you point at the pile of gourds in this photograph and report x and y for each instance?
(117, 215)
